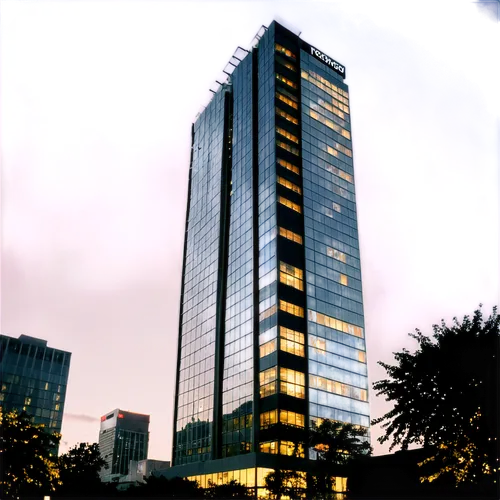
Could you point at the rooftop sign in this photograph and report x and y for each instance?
(337, 67)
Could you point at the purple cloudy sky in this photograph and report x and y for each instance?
(97, 100)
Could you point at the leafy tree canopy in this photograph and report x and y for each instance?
(29, 466)
(445, 398)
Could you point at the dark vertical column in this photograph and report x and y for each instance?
(255, 224)
(179, 344)
(222, 274)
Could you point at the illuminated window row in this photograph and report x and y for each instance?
(319, 346)
(339, 93)
(340, 148)
(329, 124)
(292, 335)
(290, 235)
(288, 166)
(339, 173)
(286, 116)
(287, 100)
(320, 103)
(292, 347)
(290, 341)
(292, 382)
(286, 81)
(284, 447)
(290, 204)
(267, 313)
(292, 270)
(267, 380)
(289, 148)
(342, 326)
(245, 477)
(288, 135)
(267, 348)
(336, 99)
(291, 308)
(283, 50)
(269, 418)
(289, 185)
(332, 252)
(291, 281)
(334, 387)
(287, 64)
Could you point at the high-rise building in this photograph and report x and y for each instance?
(34, 378)
(271, 336)
(124, 436)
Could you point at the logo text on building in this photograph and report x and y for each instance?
(328, 60)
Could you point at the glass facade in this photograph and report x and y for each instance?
(34, 378)
(271, 333)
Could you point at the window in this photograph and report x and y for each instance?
(292, 341)
(290, 235)
(289, 185)
(332, 252)
(334, 387)
(267, 313)
(291, 418)
(286, 81)
(269, 447)
(328, 123)
(267, 348)
(343, 280)
(291, 276)
(342, 326)
(291, 149)
(291, 309)
(291, 449)
(289, 204)
(283, 50)
(292, 383)
(286, 63)
(267, 380)
(288, 166)
(340, 148)
(286, 116)
(336, 207)
(268, 418)
(362, 356)
(288, 135)
(287, 100)
(340, 97)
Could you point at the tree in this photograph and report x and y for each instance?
(79, 470)
(285, 483)
(233, 489)
(28, 464)
(445, 398)
(338, 446)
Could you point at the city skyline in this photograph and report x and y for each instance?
(94, 252)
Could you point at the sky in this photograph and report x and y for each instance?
(96, 105)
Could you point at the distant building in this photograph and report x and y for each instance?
(139, 470)
(34, 379)
(124, 436)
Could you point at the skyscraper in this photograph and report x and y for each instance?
(271, 335)
(34, 378)
(124, 436)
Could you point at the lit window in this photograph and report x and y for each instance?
(286, 81)
(268, 418)
(289, 185)
(267, 348)
(267, 313)
(291, 276)
(269, 447)
(291, 449)
(291, 308)
(342, 326)
(336, 207)
(286, 116)
(338, 147)
(290, 235)
(288, 166)
(292, 383)
(328, 123)
(332, 252)
(287, 100)
(286, 63)
(288, 135)
(343, 280)
(288, 147)
(292, 341)
(291, 418)
(362, 356)
(340, 97)
(267, 379)
(283, 50)
(289, 204)
(334, 387)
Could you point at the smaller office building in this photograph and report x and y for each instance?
(124, 436)
(34, 378)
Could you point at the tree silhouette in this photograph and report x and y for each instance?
(28, 465)
(445, 397)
